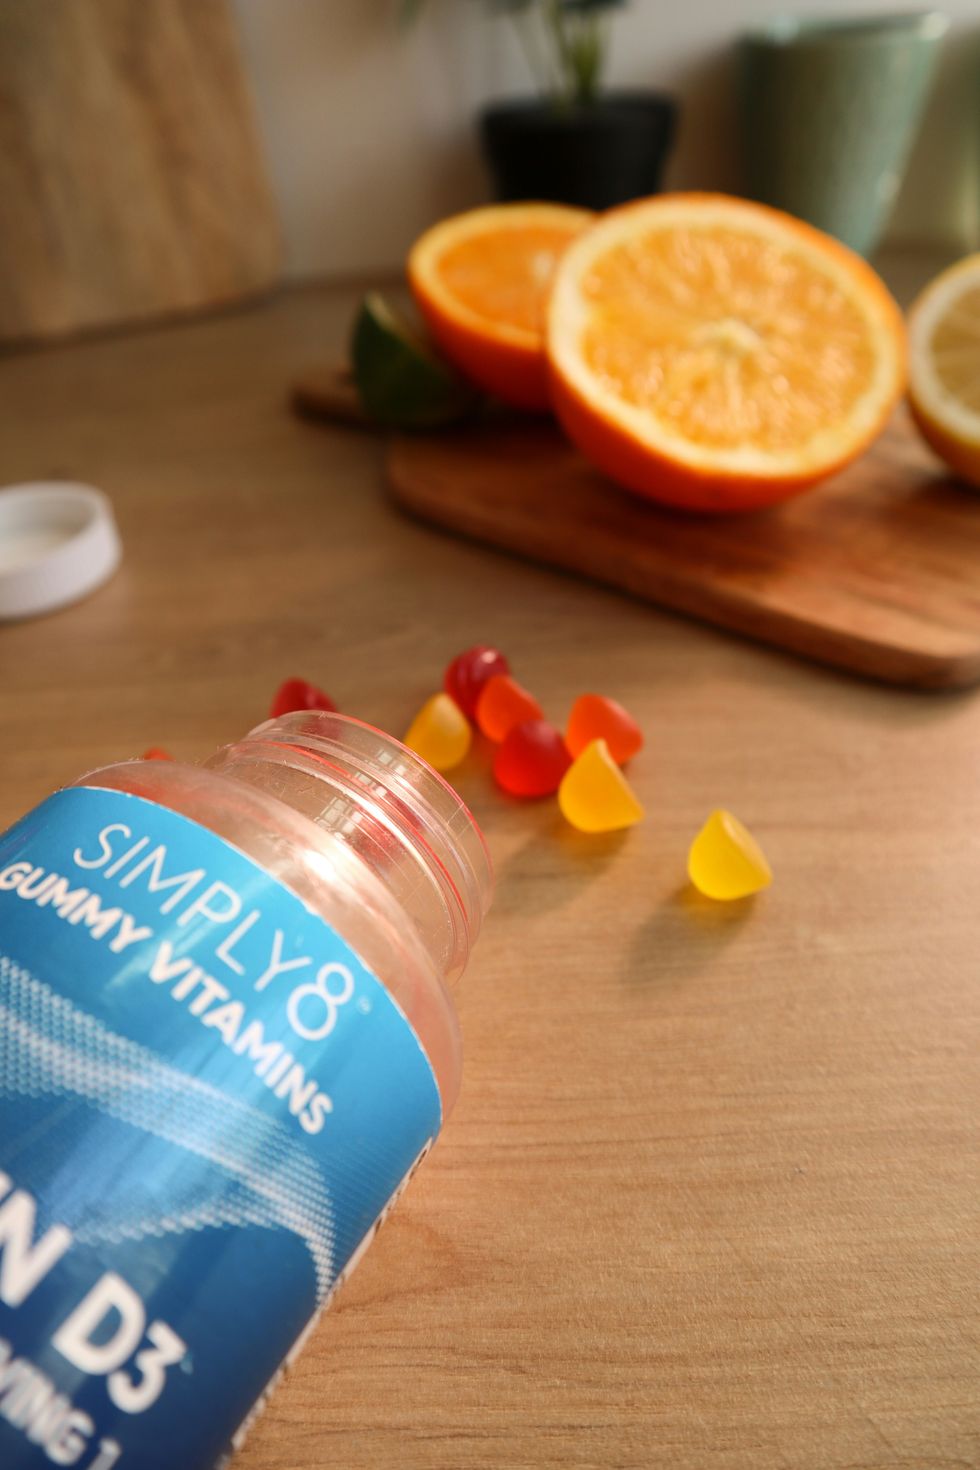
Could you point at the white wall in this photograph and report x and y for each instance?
(369, 131)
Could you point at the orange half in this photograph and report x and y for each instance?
(717, 354)
(481, 281)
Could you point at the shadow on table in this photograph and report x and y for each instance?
(554, 865)
(684, 935)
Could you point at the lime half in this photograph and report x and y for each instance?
(402, 383)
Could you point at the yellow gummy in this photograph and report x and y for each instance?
(725, 861)
(594, 794)
(440, 733)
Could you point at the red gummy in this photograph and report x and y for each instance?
(503, 704)
(299, 694)
(156, 753)
(531, 760)
(470, 672)
(594, 717)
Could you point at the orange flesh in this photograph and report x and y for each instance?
(725, 338)
(956, 350)
(503, 276)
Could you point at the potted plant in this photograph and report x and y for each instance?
(574, 142)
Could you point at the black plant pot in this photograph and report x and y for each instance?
(594, 155)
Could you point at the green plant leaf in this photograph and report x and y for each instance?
(591, 7)
(565, 41)
(409, 11)
(402, 382)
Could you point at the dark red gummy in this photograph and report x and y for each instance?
(469, 672)
(299, 694)
(531, 760)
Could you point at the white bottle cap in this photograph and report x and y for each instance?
(58, 542)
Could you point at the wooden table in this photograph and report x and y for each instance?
(708, 1200)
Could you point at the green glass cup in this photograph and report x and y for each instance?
(830, 110)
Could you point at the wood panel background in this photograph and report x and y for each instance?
(131, 182)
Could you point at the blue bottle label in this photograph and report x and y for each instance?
(206, 1103)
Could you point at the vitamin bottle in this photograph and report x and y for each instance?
(226, 1041)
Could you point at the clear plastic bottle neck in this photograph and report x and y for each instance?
(389, 808)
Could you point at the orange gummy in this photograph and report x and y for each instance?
(594, 717)
(504, 703)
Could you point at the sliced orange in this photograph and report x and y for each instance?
(481, 281)
(719, 355)
(944, 366)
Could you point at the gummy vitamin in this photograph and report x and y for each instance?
(299, 694)
(503, 704)
(594, 794)
(440, 733)
(469, 672)
(725, 861)
(531, 760)
(594, 717)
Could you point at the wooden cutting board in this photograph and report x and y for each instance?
(131, 180)
(878, 571)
